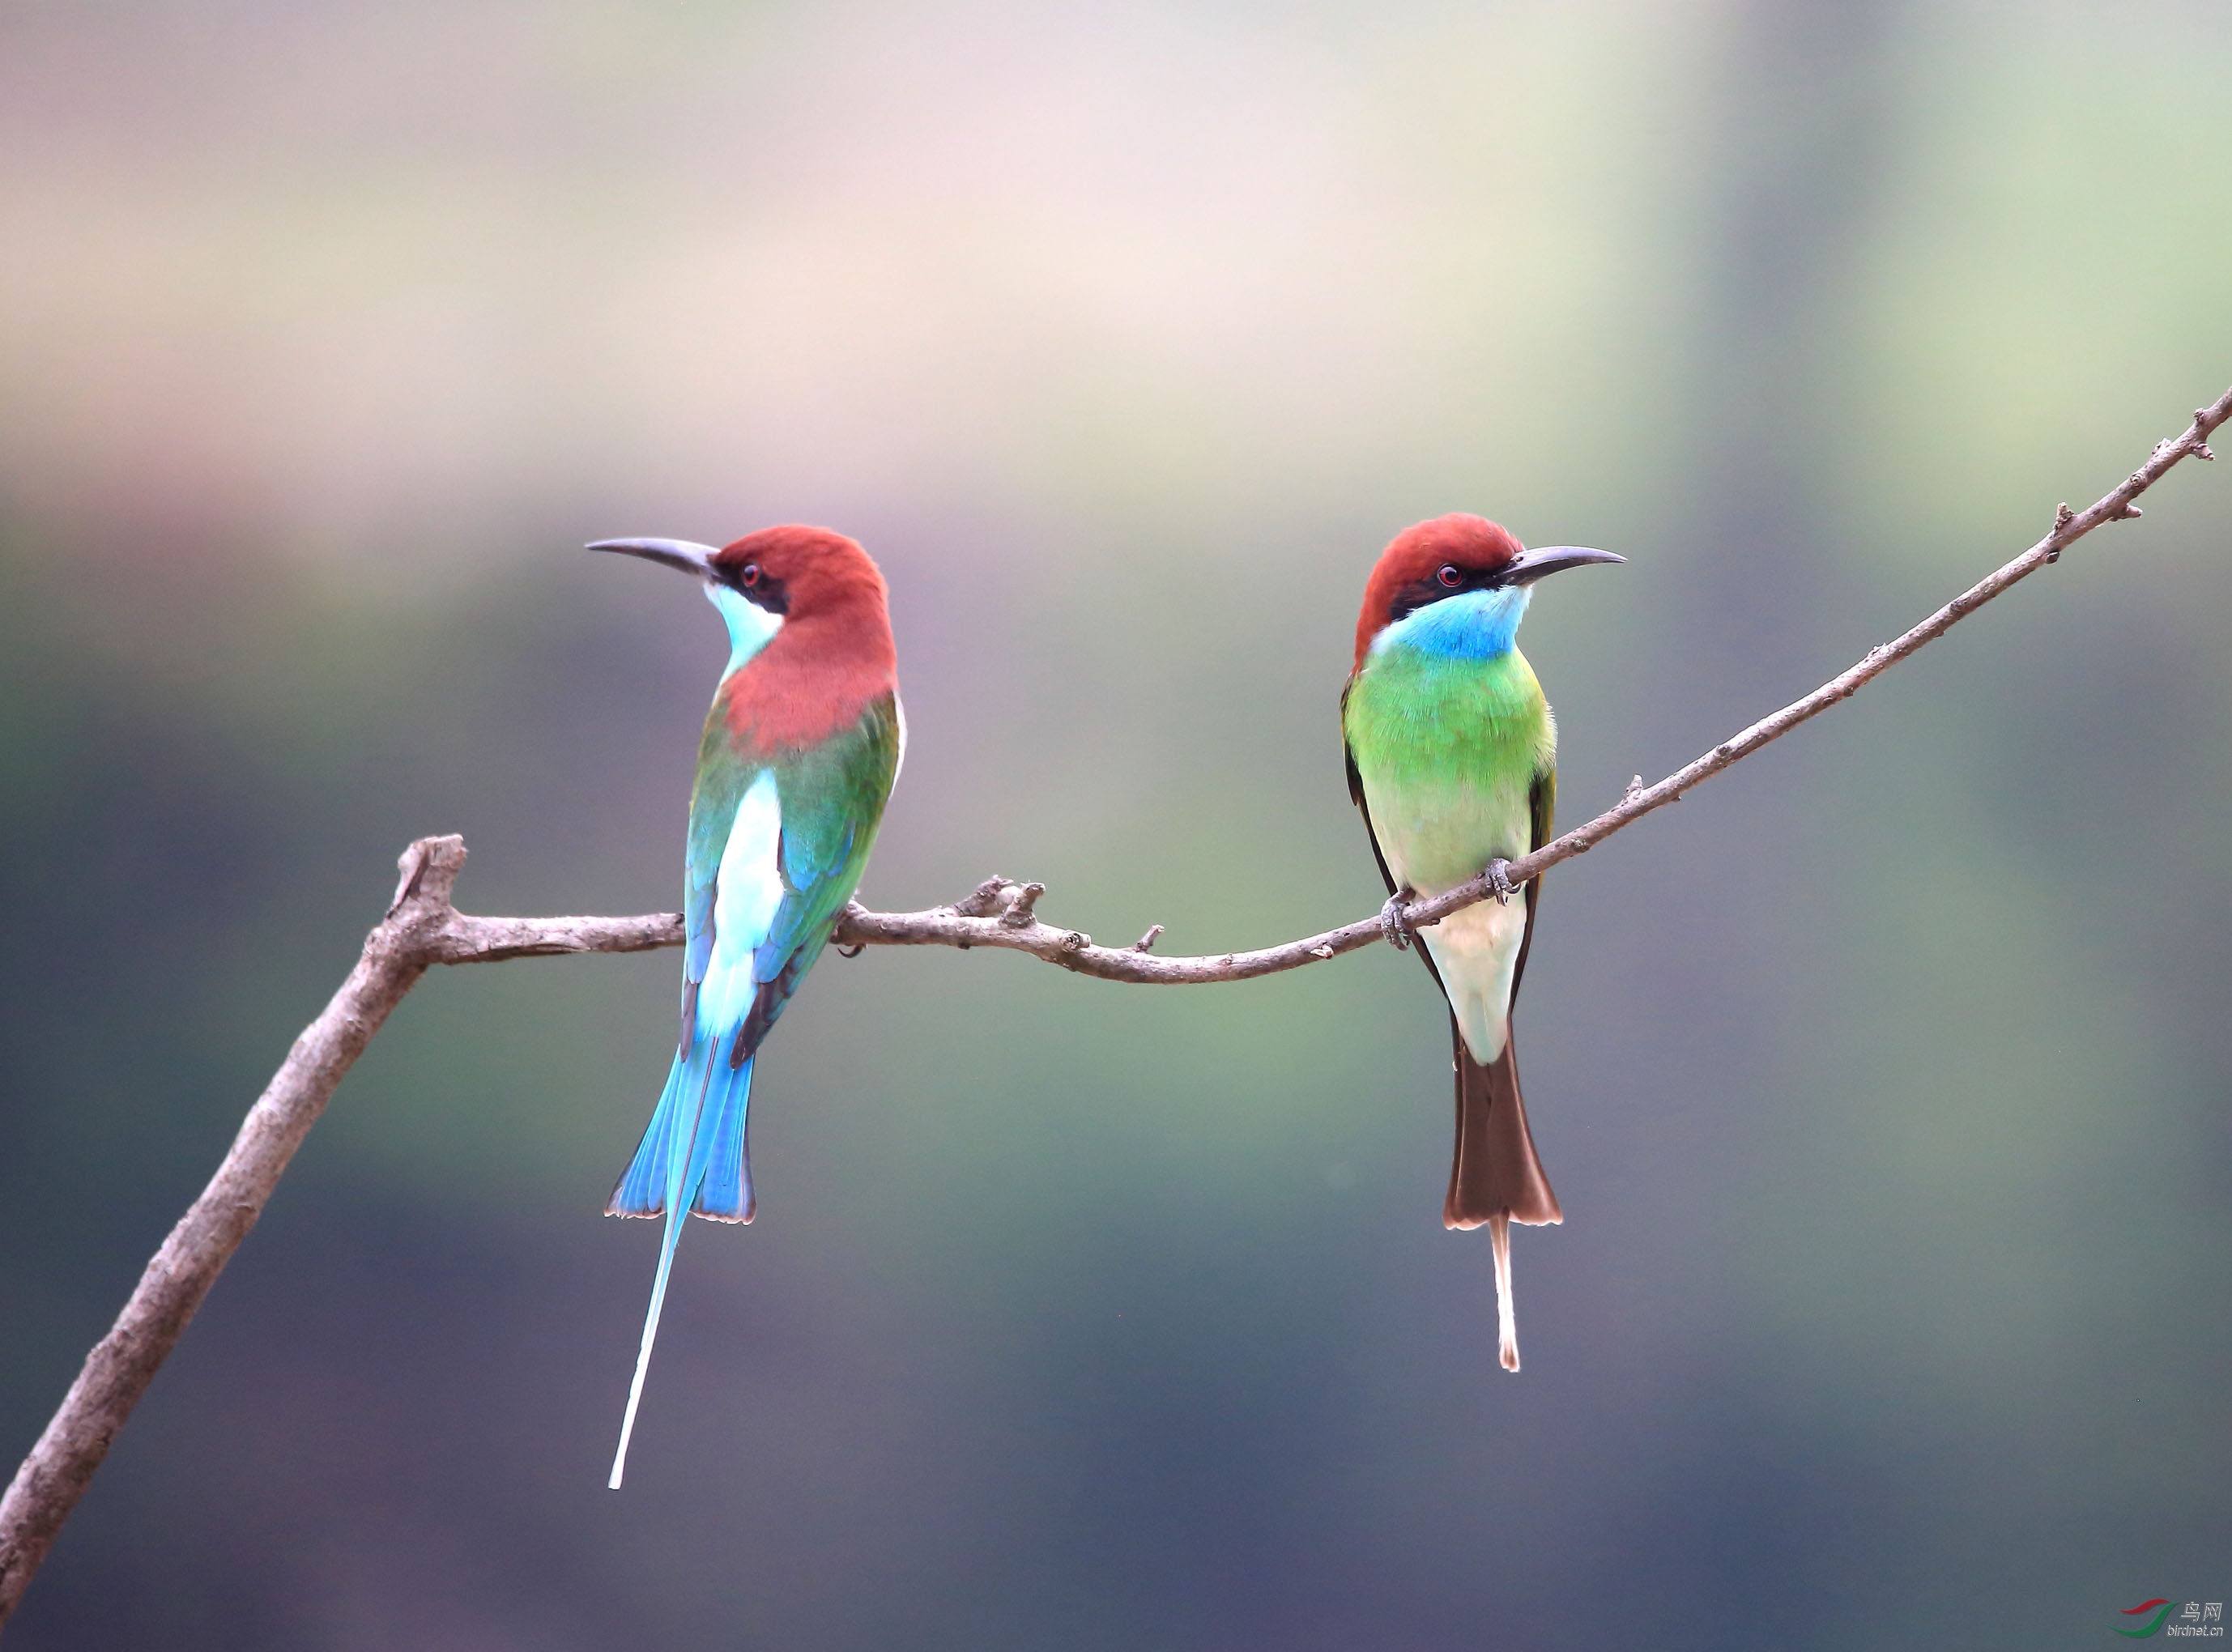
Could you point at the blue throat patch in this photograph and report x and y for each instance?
(1478, 625)
(751, 626)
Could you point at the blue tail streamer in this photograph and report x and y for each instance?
(692, 1157)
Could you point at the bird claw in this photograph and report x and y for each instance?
(1499, 879)
(1393, 926)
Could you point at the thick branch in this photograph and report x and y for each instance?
(422, 928)
(124, 1362)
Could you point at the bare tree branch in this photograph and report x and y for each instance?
(965, 926)
(123, 1363)
(422, 928)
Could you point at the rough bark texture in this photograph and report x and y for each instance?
(422, 928)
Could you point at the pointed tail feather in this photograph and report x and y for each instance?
(688, 1080)
(1507, 1320)
(673, 1237)
(669, 1169)
(1495, 1176)
(691, 1159)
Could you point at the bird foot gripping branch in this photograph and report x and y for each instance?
(1499, 881)
(1398, 929)
(1395, 919)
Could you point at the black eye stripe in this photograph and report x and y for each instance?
(756, 586)
(1434, 586)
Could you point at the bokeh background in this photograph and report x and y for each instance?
(1883, 1081)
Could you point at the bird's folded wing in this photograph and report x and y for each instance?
(833, 797)
(1543, 808)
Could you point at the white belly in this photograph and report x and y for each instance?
(1476, 951)
(1435, 838)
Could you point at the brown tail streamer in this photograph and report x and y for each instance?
(1495, 1176)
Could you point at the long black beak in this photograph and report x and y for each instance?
(668, 553)
(1552, 559)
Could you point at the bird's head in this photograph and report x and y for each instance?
(779, 578)
(1456, 584)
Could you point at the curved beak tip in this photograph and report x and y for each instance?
(681, 555)
(1553, 559)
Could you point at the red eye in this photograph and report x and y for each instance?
(1451, 575)
(750, 576)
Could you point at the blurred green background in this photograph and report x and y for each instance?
(1882, 1081)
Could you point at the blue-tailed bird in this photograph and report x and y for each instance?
(1453, 758)
(799, 756)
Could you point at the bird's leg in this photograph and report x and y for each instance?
(1499, 879)
(1392, 925)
